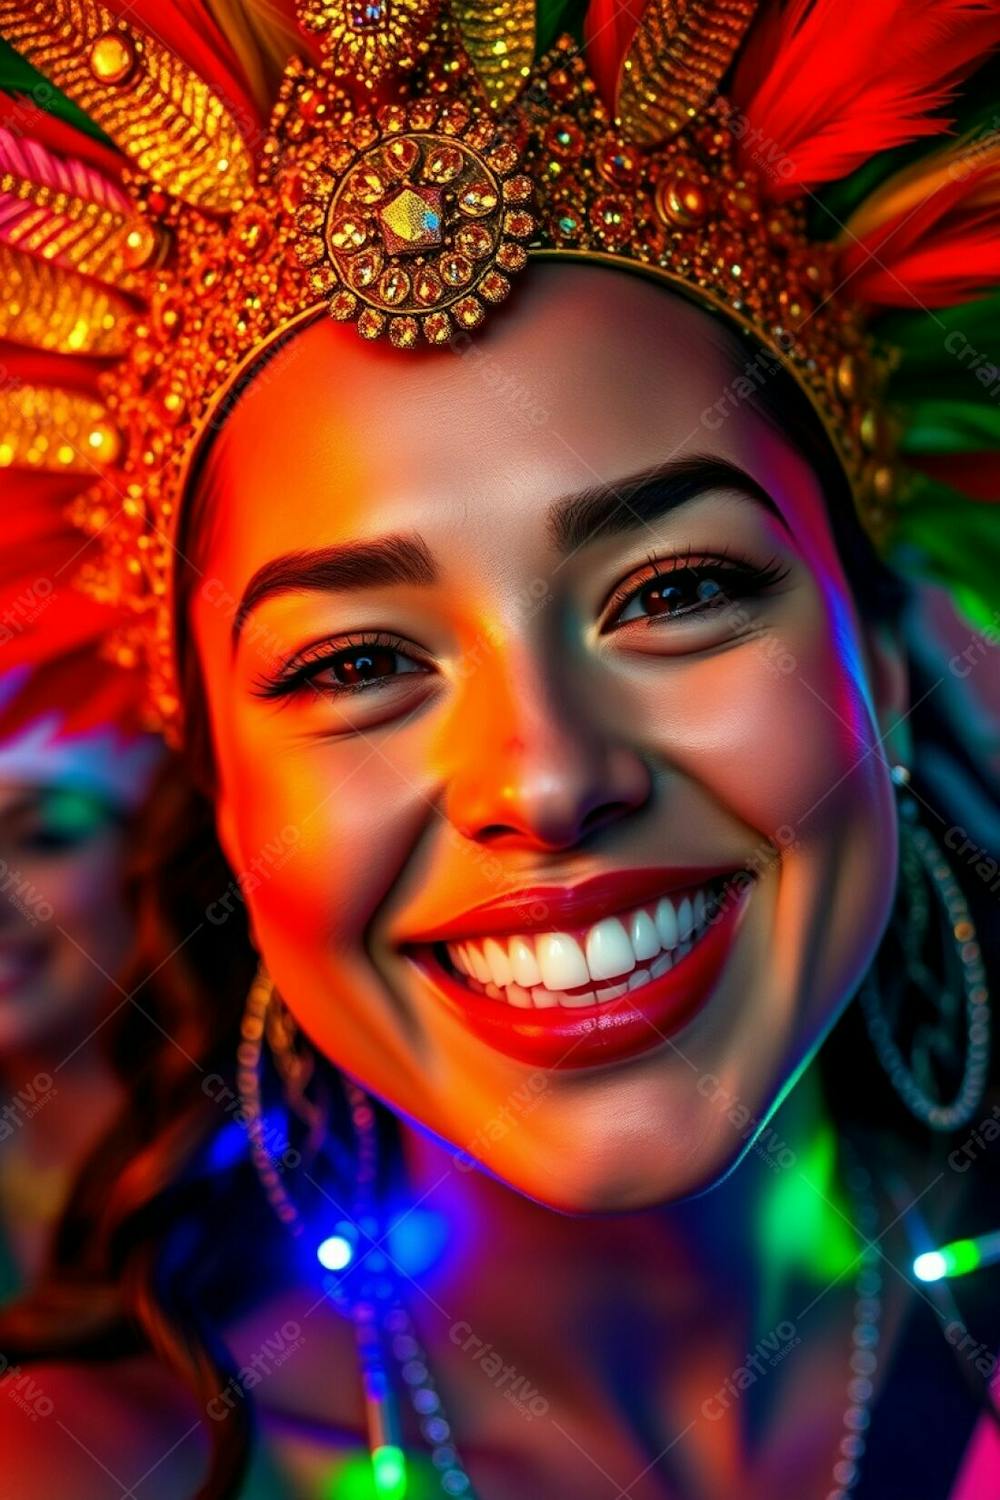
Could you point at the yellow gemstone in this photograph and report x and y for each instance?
(412, 219)
(112, 58)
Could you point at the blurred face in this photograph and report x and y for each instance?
(63, 927)
(546, 733)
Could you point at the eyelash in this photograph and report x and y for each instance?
(744, 580)
(296, 673)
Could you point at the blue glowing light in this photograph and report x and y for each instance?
(335, 1253)
(416, 1239)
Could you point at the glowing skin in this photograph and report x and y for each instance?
(63, 926)
(530, 740)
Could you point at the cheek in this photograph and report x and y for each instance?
(322, 832)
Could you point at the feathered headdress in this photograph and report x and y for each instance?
(182, 184)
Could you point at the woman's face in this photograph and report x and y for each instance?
(478, 660)
(63, 924)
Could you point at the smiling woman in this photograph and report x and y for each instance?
(549, 743)
(628, 730)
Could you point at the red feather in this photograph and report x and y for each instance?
(974, 475)
(941, 243)
(608, 28)
(826, 86)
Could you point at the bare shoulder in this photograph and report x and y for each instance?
(98, 1432)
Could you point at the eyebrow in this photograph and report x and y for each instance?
(337, 569)
(635, 502)
(621, 506)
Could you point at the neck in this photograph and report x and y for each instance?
(797, 1142)
(733, 1259)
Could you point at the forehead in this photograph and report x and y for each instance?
(586, 375)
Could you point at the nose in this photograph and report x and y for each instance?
(540, 768)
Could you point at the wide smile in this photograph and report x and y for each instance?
(581, 994)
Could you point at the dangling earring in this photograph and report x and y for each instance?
(907, 1048)
(367, 1289)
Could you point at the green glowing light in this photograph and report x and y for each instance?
(956, 1259)
(389, 1469)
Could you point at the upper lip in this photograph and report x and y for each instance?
(556, 907)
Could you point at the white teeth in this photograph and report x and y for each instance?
(543, 998)
(498, 961)
(666, 922)
(586, 997)
(523, 963)
(519, 997)
(610, 992)
(480, 967)
(561, 961)
(643, 936)
(609, 952)
(537, 971)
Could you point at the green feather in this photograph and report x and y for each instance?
(553, 17)
(944, 536)
(20, 78)
(942, 426)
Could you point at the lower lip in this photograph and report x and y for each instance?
(586, 1036)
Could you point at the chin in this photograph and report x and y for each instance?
(640, 1159)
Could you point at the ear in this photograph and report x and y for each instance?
(889, 678)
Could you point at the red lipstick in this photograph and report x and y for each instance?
(587, 1036)
(556, 908)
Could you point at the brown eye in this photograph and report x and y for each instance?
(360, 665)
(672, 593)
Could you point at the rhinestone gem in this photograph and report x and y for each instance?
(474, 240)
(402, 155)
(477, 199)
(343, 305)
(428, 287)
(493, 286)
(394, 287)
(346, 233)
(437, 328)
(411, 220)
(366, 266)
(456, 269)
(371, 323)
(403, 332)
(443, 163)
(470, 312)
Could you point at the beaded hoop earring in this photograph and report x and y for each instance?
(909, 1048)
(366, 1286)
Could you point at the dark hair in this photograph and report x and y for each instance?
(140, 1257)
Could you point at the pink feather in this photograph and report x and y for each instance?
(55, 235)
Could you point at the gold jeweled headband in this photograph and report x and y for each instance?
(405, 179)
